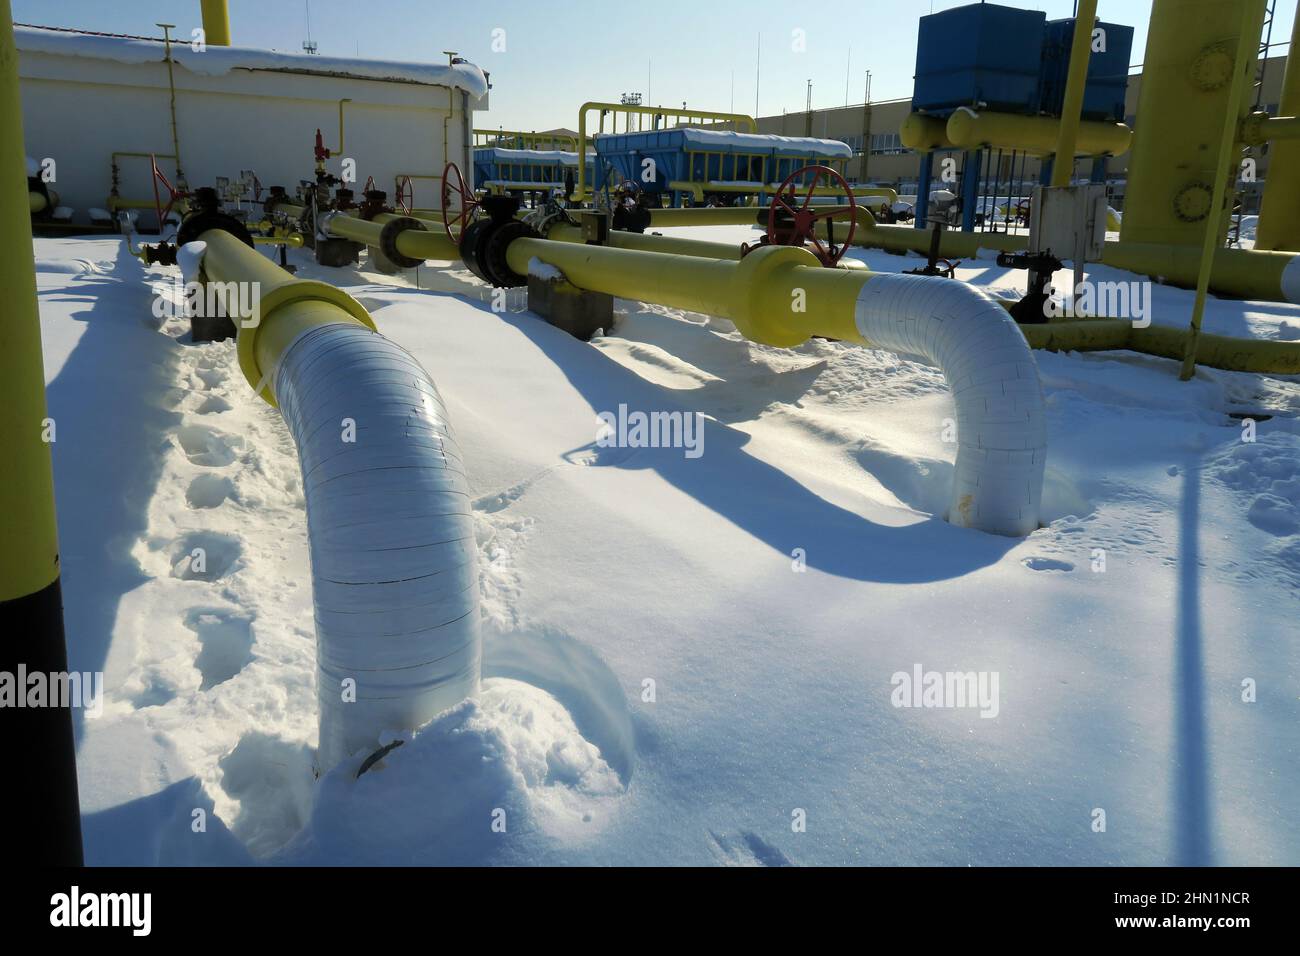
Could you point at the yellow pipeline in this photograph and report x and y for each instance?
(954, 244)
(1186, 89)
(1075, 82)
(1260, 128)
(29, 546)
(967, 129)
(1243, 273)
(706, 216)
(290, 209)
(733, 216)
(415, 243)
(924, 133)
(1279, 214)
(287, 306)
(1215, 351)
(674, 245)
(755, 293)
(216, 22)
(292, 239)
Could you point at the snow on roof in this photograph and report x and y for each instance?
(220, 60)
(764, 141)
(534, 156)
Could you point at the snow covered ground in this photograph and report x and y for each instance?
(663, 684)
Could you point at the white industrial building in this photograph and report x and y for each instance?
(87, 96)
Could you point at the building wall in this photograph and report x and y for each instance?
(882, 120)
(78, 111)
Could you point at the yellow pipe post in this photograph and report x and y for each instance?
(1243, 61)
(216, 22)
(1186, 87)
(46, 821)
(1075, 84)
(1279, 212)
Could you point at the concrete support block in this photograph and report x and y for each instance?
(565, 306)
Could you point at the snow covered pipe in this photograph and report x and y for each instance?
(393, 556)
(1001, 430)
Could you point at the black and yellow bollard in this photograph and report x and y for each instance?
(41, 812)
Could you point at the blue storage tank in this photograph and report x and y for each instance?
(980, 53)
(1103, 97)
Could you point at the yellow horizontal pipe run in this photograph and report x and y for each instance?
(288, 306)
(1215, 351)
(1260, 128)
(415, 243)
(954, 244)
(759, 293)
(562, 232)
(293, 239)
(1034, 134)
(924, 133)
(705, 216)
(1244, 273)
(700, 188)
(433, 225)
(290, 209)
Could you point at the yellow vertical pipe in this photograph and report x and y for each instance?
(1279, 214)
(216, 22)
(1186, 86)
(44, 811)
(29, 548)
(1075, 84)
(1242, 64)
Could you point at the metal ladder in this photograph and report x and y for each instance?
(1252, 152)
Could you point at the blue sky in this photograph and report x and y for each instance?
(560, 54)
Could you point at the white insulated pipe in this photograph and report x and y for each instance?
(393, 555)
(1001, 427)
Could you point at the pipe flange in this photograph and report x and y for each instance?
(388, 240)
(494, 246)
(1253, 129)
(1192, 202)
(1212, 68)
(470, 243)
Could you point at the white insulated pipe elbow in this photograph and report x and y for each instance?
(1001, 427)
(393, 555)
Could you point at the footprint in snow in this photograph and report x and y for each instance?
(1047, 564)
(747, 848)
